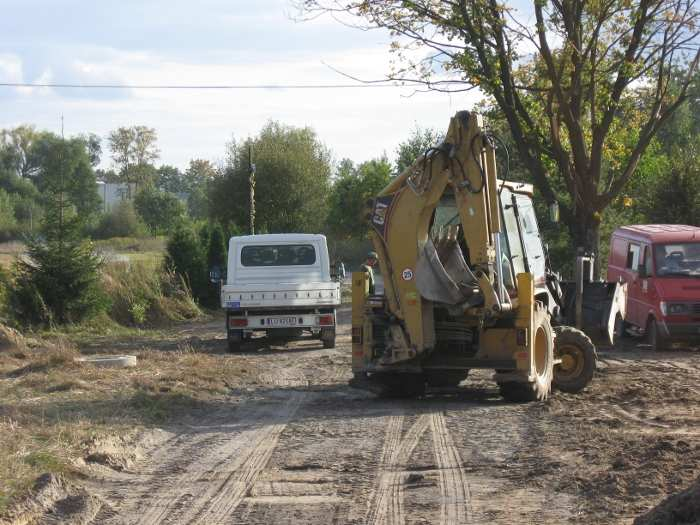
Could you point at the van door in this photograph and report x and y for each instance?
(647, 292)
(635, 299)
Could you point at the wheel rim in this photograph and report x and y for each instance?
(541, 347)
(571, 362)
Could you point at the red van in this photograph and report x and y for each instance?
(661, 265)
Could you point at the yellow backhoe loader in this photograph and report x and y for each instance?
(465, 282)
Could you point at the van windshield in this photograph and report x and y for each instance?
(678, 259)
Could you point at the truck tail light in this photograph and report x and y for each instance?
(325, 320)
(233, 322)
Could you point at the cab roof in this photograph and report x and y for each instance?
(661, 233)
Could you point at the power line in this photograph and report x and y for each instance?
(199, 86)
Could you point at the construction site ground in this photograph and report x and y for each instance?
(289, 441)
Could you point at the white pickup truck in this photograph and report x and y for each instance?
(279, 284)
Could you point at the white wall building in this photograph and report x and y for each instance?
(114, 193)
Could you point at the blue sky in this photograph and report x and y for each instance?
(209, 41)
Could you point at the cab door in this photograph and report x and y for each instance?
(635, 296)
(647, 292)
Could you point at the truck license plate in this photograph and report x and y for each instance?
(282, 321)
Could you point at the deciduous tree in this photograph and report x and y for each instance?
(563, 74)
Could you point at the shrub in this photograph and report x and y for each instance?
(186, 257)
(57, 283)
(120, 221)
(144, 296)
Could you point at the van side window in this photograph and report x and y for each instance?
(633, 257)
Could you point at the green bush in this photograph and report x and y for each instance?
(186, 257)
(120, 221)
(57, 283)
(144, 296)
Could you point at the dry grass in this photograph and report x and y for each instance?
(52, 407)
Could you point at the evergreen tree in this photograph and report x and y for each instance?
(59, 281)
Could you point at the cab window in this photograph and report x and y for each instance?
(514, 249)
(633, 257)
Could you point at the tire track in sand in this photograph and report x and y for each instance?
(454, 488)
(209, 490)
(386, 505)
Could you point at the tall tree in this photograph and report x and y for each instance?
(563, 74)
(292, 181)
(351, 189)
(59, 281)
(134, 149)
(420, 140)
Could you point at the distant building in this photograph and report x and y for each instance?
(114, 193)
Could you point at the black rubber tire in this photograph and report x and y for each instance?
(539, 388)
(399, 386)
(446, 378)
(235, 340)
(328, 338)
(653, 337)
(571, 341)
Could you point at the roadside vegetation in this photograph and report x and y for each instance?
(56, 412)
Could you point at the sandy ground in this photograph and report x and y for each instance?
(300, 446)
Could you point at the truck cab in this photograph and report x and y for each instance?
(661, 265)
(279, 285)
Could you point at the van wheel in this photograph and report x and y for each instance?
(577, 354)
(235, 339)
(654, 338)
(539, 388)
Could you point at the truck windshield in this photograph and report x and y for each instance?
(681, 259)
(278, 255)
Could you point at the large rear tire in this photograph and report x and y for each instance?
(577, 354)
(538, 388)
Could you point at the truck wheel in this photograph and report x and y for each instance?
(654, 338)
(235, 339)
(577, 354)
(328, 338)
(539, 388)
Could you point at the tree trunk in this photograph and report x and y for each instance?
(585, 234)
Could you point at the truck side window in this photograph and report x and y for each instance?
(633, 257)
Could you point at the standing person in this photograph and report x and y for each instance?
(368, 268)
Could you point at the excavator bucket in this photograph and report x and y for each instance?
(442, 274)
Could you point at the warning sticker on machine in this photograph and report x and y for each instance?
(407, 274)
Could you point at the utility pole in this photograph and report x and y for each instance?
(251, 181)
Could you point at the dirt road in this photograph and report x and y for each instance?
(302, 447)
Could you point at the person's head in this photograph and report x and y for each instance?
(372, 259)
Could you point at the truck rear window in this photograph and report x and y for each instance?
(278, 255)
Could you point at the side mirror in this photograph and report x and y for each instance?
(554, 212)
